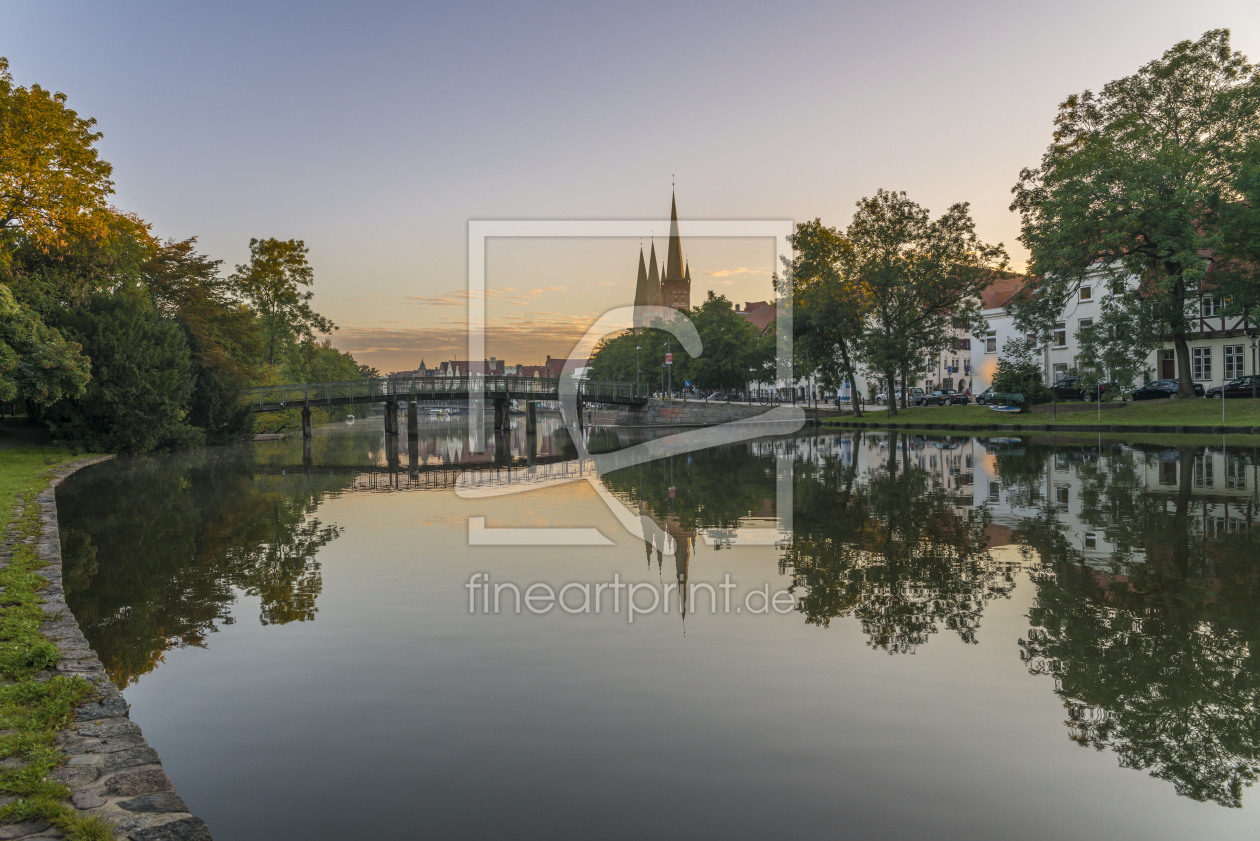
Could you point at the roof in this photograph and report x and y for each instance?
(1001, 292)
(761, 317)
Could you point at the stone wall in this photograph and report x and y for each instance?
(112, 771)
(686, 413)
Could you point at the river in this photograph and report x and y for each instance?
(882, 635)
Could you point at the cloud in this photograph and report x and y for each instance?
(460, 297)
(740, 270)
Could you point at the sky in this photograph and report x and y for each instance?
(375, 132)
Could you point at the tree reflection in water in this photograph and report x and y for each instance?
(197, 529)
(1154, 650)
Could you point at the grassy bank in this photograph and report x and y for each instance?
(33, 707)
(1200, 412)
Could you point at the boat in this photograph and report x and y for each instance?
(1010, 410)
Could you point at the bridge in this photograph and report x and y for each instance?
(413, 391)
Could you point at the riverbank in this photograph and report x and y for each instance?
(74, 765)
(1174, 417)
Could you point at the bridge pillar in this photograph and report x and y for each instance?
(531, 417)
(306, 422)
(502, 414)
(502, 449)
(391, 450)
(413, 419)
(391, 417)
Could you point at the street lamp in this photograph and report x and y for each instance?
(670, 366)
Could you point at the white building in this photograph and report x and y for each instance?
(1220, 348)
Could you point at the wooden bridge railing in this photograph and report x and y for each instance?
(384, 389)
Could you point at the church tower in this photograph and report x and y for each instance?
(671, 285)
(676, 285)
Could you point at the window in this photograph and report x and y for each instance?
(1083, 323)
(1236, 474)
(994, 487)
(1233, 361)
(962, 344)
(1087, 293)
(1091, 540)
(1201, 362)
(1061, 495)
(1210, 306)
(990, 342)
(1060, 370)
(1060, 334)
(1204, 472)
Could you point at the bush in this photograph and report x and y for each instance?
(1019, 372)
(142, 379)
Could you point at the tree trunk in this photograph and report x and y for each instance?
(890, 377)
(904, 390)
(846, 367)
(1185, 376)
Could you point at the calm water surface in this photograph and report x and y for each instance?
(980, 638)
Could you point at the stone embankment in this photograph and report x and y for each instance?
(686, 413)
(111, 771)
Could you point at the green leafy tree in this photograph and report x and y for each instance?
(137, 399)
(1019, 372)
(36, 362)
(923, 278)
(1126, 188)
(272, 283)
(830, 306)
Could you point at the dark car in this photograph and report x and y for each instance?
(943, 398)
(1161, 390)
(1069, 388)
(1240, 387)
(983, 397)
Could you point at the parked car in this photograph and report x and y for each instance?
(1240, 387)
(943, 398)
(982, 398)
(1069, 388)
(1161, 390)
(915, 393)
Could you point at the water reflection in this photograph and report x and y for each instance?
(1142, 560)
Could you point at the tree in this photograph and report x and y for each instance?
(829, 305)
(137, 399)
(923, 278)
(271, 283)
(36, 362)
(1019, 372)
(53, 185)
(1126, 188)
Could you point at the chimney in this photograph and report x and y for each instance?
(737, 308)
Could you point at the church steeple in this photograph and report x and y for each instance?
(674, 259)
(642, 293)
(653, 280)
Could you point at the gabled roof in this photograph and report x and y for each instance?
(1001, 291)
(760, 318)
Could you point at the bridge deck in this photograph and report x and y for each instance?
(389, 390)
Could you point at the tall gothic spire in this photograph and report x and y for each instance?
(674, 264)
(653, 280)
(642, 293)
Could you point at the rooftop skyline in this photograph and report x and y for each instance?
(375, 133)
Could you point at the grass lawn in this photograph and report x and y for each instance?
(1201, 412)
(20, 472)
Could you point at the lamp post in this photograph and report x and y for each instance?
(669, 365)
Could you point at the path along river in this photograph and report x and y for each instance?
(966, 638)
